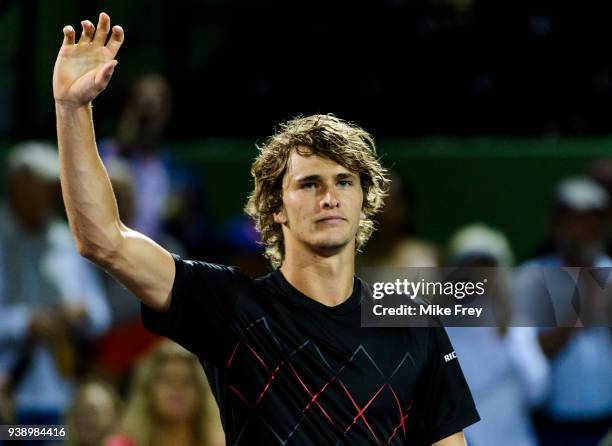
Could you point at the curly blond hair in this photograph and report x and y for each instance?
(326, 136)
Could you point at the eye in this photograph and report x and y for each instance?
(345, 183)
(308, 185)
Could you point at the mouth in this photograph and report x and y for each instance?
(330, 220)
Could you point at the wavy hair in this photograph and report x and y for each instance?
(326, 136)
(139, 420)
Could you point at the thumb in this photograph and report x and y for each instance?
(104, 74)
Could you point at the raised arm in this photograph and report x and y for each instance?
(82, 71)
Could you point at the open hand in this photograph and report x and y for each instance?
(83, 69)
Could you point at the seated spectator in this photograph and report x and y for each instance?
(504, 366)
(50, 297)
(170, 403)
(94, 414)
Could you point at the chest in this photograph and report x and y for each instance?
(328, 372)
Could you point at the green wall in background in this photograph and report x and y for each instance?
(505, 183)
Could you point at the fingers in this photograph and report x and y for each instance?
(102, 29)
(98, 35)
(114, 43)
(88, 31)
(68, 35)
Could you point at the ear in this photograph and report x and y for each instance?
(280, 217)
(362, 215)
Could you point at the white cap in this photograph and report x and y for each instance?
(479, 240)
(581, 194)
(39, 158)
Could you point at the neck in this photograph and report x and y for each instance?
(173, 433)
(327, 279)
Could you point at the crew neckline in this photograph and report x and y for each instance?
(302, 299)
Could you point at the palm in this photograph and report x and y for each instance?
(83, 69)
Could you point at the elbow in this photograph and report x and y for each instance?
(86, 250)
(91, 253)
(100, 255)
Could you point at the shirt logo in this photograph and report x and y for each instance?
(449, 357)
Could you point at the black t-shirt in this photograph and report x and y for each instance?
(286, 369)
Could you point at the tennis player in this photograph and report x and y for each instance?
(285, 354)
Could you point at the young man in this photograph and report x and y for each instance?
(285, 354)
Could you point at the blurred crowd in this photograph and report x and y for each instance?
(549, 383)
(73, 350)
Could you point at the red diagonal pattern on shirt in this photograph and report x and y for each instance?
(401, 424)
(361, 410)
(267, 386)
(399, 407)
(314, 396)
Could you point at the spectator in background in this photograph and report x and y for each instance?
(579, 408)
(395, 245)
(170, 403)
(165, 194)
(504, 366)
(94, 414)
(139, 141)
(50, 298)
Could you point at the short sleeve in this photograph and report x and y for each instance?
(202, 306)
(447, 406)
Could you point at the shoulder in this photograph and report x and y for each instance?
(211, 276)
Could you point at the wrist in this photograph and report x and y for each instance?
(63, 105)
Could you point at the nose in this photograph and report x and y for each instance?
(329, 200)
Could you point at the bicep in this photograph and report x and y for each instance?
(454, 440)
(143, 267)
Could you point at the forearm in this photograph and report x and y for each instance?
(88, 195)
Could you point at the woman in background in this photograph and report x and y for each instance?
(170, 403)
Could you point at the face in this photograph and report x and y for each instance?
(581, 235)
(94, 414)
(174, 392)
(32, 200)
(322, 203)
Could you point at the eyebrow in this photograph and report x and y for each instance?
(339, 176)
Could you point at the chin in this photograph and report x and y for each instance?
(330, 246)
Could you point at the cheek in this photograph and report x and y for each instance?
(158, 394)
(191, 399)
(296, 210)
(356, 203)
